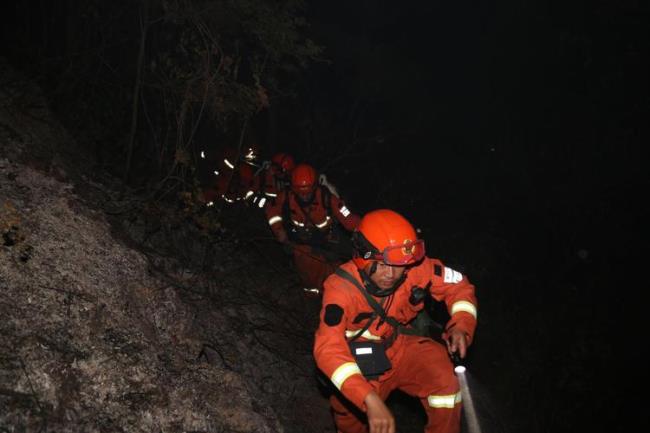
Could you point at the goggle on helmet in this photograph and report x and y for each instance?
(385, 236)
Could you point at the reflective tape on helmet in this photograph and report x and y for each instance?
(275, 219)
(444, 401)
(366, 334)
(465, 306)
(342, 373)
(324, 223)
(452, 276)
(228, 163)
(345, 211)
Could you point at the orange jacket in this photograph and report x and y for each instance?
(314, 217)
(271, 183)
(345, 311)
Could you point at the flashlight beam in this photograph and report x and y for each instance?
(468, 405)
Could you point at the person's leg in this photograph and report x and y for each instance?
(425, 371)
(312, 267)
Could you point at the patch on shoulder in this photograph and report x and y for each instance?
(333, 314)
(437, 269)
(452, 276)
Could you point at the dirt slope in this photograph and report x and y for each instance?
(101, 330)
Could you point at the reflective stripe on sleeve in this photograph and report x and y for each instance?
(446, 401)
(228, 163)
(275, 219)
(342, 373)
(298, 223)
(465, 306)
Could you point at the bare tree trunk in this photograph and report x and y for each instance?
(144, 25)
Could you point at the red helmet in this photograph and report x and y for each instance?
(386, 236)
(303, 179)
(284, 162)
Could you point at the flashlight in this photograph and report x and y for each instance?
(459, 368)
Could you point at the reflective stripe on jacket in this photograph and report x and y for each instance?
(331, 350)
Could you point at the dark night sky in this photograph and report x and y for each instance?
(530, 112)
(533, 116)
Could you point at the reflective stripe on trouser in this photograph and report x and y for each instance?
(424, 370)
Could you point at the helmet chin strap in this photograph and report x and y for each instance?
(372, 287)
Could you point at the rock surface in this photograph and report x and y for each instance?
(102, 330)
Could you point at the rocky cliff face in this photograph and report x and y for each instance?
(99, 331)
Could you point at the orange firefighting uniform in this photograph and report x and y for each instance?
(310, 229)
(234, 178)
(268, 184)
(420, 366)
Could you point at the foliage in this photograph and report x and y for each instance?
(165, 70)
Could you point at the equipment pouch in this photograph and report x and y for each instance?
(371, 358)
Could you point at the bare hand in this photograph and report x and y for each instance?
(457, 342)
(380, 419)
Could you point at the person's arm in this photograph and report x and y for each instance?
(459, 296)
(380, 418)
(331, 351)
(343, 214)
(274, 218)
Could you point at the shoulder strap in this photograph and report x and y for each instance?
(379, 310)
(349, 277)
(326, 197)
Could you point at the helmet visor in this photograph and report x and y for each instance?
(400, 255)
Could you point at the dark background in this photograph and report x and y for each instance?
(511, 133)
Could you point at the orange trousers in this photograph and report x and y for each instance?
(312, 266)
(424, 371)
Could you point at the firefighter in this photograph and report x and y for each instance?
(275, 176)
(364, 343)
(282, 165)
(313, 225)
(234, 175)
